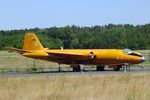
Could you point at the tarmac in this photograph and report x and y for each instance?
(86, 71)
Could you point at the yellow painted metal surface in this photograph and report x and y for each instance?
(33, 48)
(31, 42)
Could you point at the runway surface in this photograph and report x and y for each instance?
(87, 71)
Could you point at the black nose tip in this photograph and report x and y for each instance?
(142, 59)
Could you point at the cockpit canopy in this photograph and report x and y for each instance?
(127, 51)
(132, 53)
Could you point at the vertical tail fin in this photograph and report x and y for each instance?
(31, 42)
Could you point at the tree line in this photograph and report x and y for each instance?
(75, 37)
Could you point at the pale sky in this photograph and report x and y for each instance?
(21, 14)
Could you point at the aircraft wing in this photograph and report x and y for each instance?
(66, 55)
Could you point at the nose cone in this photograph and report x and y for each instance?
(142, 59)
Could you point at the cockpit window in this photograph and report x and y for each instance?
(130, 52)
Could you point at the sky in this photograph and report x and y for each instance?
(21, 14)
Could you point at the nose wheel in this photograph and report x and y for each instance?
(126, 67)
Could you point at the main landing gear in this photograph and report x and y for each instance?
(125, 67)
(100, 67)
(76, 68)
(117, 68)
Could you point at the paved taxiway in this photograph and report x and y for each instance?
(90, 71)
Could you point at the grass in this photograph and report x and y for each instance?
(77, 87)
(122, 86)
(15, 60)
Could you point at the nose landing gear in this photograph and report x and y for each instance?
(125, 67)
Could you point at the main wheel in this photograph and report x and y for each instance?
(117, 68)
(76, 68)
(100, 68)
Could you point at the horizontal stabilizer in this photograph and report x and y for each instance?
(16, 50)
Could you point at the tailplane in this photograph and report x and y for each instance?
(31, 42)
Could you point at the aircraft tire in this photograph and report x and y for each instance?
(117, 68)
(100, 68)
(77, 68)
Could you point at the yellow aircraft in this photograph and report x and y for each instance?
(114, 58)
